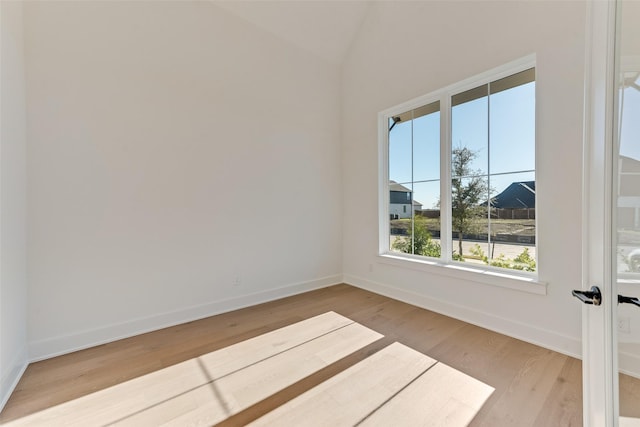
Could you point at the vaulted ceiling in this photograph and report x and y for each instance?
(325, 28)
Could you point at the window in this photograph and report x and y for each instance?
(465, 157)
(628, 171)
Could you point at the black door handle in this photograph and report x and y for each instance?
(592, 296)
(628, 300)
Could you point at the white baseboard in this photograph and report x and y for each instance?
(541, 337)
(629, 364)
(51, 347)
(10, 380)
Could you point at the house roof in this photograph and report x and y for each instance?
(517, 195)
(394, 186)
(629, 165)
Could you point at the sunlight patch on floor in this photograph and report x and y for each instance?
(395, 386)
(212, 387)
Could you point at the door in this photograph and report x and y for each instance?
(611, 317)
(626, 217)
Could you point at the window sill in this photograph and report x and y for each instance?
(628, 279)
(514, 281)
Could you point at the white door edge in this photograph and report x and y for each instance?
(599, 353)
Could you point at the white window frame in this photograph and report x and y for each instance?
(513, 279)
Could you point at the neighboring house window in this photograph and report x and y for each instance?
(466, 157)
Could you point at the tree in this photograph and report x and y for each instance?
(468, 189)
(423, 244)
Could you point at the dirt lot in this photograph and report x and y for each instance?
(522, 227)
(519, 227)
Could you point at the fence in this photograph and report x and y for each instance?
(525, 213)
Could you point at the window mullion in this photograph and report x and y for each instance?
(413, 222)
(445, 178)
(489, 252)
(383, 185)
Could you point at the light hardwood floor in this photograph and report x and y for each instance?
(533, 386)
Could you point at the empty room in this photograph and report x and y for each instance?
(319, 213)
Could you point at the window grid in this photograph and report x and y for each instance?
(446, 102)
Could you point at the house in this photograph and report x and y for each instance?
(401, 201)
(518, 195)
(137, 139)
(517, 201)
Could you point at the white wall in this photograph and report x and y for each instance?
(147, 120)
(13, 281)
(171, 146)
(407, 49)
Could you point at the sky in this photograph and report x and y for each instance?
(499, 128)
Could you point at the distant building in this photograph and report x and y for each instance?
(400, 201)
(518, 195)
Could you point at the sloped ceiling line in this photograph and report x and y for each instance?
(324, 28)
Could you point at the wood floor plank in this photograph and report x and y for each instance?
(530, 381)
(442, 396)
(629, 396)
(348, 397)
(252, 370)
(563, 399)
(528, 388)
(228, 395)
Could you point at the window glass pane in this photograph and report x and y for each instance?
(628, 219)
(427, 195)
(512, 129)
(426, 205)
(512, 224)
(400, 217)
(501, 126)
(426, 147)
(469, 223)
(400, 152)
(502, 187)
(469, 137)
(476, 244)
